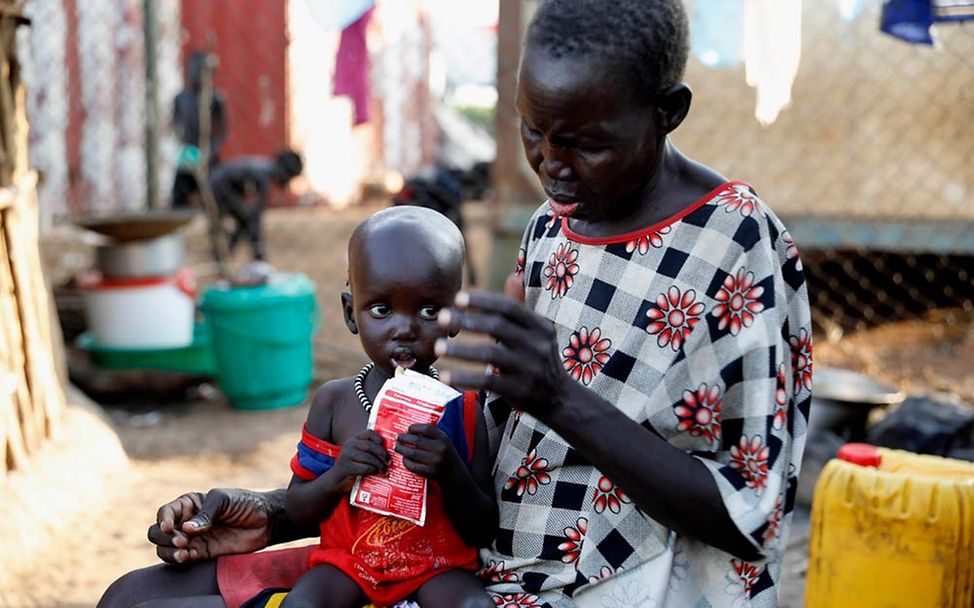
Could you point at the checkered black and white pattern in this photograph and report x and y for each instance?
(697, 328)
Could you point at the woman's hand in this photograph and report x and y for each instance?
(199, 526)
(528, 370)
(426, 450)
(363, 454)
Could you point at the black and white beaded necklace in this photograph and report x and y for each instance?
(360, 385)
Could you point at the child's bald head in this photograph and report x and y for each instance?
(407, 240)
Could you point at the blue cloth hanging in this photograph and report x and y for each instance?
(908, 20)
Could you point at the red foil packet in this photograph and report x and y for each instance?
(408, 398)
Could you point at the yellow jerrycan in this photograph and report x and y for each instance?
(891, 529)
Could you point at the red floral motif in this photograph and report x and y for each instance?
(699, 413)
(604, 573)
(748, 573)
(739, 198)
(739, 301)
(750, 459)
(585, 354)
(791, 250)
(520, 262)
(644, 242)
(780, 400)
(561, 270)
(516, 600)
(532, 474)
(801, 359)
(574, 537)
(495, 572)
(552, 218)
(608, 494)
(774, 522)
(674, 317)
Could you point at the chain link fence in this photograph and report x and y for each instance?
(870, 166)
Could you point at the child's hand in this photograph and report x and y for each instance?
(363, 454)
(426, 450)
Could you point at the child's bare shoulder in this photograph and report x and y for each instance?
(330, 400)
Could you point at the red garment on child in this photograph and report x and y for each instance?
(389, 558)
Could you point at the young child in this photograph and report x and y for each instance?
(405, 264)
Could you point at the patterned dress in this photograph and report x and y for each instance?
(698, 328)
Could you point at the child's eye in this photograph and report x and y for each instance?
(429, 313)
(379, 310)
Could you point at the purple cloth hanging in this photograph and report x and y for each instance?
(352, 66)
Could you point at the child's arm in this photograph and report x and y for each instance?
(311, 501)
(468, 494)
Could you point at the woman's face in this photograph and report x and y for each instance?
(593, 147)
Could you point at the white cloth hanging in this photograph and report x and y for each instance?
(772, 51)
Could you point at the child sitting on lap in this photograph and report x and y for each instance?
(405, 264)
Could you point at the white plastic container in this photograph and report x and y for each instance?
(141, 313)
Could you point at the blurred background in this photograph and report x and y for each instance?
(853, 124)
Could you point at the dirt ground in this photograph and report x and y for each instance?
(176, 447)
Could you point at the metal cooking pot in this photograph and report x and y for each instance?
(158, 257)
(842, 401)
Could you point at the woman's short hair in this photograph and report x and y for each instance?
(648, 40)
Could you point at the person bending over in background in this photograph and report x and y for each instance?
(241, 187)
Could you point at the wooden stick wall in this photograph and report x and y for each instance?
(31, 396)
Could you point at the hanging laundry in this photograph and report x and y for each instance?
(908, 20)
(715, 32)
(772, 51)
(352, 66)
(953, 10)
(850, 9)
(337, 14)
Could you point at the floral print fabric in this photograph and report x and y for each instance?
(698, 329)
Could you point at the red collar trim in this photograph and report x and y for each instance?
(631, 236)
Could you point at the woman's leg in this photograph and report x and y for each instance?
(325, 585)
(162, 582)
(454, 589)
(199, 601)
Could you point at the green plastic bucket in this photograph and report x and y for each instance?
(262, 341)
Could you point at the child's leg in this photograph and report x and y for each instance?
(454, 589)
(325, 586)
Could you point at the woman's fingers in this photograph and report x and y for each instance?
(499, 304)
(172, 514)
(494, 354)
(492, 324)
(501, 384)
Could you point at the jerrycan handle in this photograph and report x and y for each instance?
(862, 454)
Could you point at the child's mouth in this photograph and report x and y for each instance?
(403, 360)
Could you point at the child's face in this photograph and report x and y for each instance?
(396, 296)
(594, 149)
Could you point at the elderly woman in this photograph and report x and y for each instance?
(649, 397)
